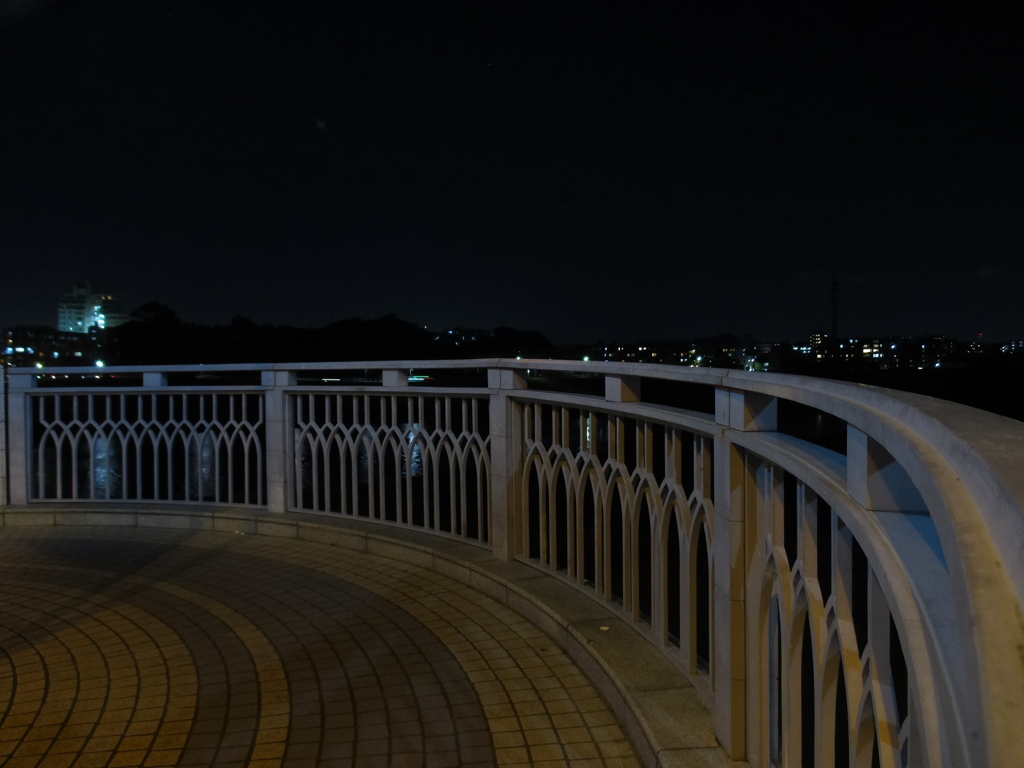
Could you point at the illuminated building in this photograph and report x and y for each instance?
(82, 309)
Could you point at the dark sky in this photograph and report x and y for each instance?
(590, 170)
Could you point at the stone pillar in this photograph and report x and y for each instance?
(506, 457)
(19, 437)
(875, 479)
(280, 472)
(622, 389)
(745, 412)
(394, 378)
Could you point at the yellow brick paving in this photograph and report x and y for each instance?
(156, 648)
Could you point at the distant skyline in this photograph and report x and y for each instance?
(593, 172)
(627, 340)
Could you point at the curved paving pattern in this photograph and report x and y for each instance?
(160, 648)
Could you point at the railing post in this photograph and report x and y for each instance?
(506, 457)
(745, 412)
(18, 438)
(280, 475)
(622, 389)
(394, 378)
(875, 479)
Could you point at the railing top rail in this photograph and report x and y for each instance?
(990, 446)
(82, 370)
(652, 370)
(347, 365)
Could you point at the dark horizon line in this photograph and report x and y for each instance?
(745, 338)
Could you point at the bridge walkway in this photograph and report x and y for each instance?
(125, 645)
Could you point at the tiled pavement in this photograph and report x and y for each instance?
(143, 647)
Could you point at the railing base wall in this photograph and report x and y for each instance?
(664, 715)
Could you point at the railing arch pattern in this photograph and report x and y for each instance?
(638, 473)
(836, 603)
(180, 447)
(411, 460)
(854, 622)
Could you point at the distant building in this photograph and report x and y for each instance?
(83, 309)
(39, 346)
(820, 346)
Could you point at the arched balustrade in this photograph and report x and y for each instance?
(852, 601)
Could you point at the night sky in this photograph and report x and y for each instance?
(592, 170)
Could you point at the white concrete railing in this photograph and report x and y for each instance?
(838, 569)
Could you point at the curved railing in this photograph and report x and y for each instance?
(838, 569)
